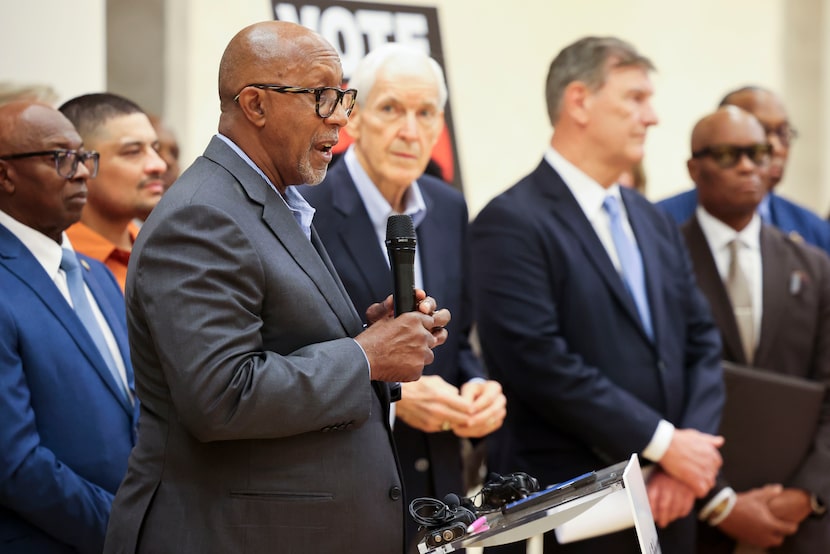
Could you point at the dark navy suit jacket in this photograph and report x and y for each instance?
(791, 218)
(67, 430)
(431, 462)
(585, 385)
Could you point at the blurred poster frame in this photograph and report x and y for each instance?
(355, 28)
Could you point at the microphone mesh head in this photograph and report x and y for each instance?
(399, 226)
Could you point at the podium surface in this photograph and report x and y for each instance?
(552, 507)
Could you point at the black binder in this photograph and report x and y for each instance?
(769, 422)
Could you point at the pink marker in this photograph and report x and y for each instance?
(478, 525)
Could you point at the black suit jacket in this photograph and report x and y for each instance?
(431, 462)
(585, 385)
(794, 340)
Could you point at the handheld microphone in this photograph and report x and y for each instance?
(400, 245)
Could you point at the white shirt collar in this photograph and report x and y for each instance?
(718, 234)
(46, 251)
(302, 211)
(588, 193)
(377, 206)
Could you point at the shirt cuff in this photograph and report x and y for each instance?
(660, 442)
(365, 357)
(719, 508)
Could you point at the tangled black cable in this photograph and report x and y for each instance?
(430, 513)
(443, 521)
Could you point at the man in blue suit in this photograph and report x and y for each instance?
(587, 308)
(396, 122)
(66, 404)
(798, 222)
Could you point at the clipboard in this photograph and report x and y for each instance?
(769, 422)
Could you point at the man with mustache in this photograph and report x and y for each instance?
(265, 400)
(129, 182)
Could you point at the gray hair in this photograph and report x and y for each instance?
(588, 60)
(364, 75)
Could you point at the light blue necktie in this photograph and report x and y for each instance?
(75, 280)
(630, 261)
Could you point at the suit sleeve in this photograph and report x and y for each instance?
(469, 365)
(207, 302)
(34, 483)
(814, 473)
(705, 391)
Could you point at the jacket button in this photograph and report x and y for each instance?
(395, 492)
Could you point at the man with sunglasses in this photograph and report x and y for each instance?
(265, 401)
(66, 404)
(129, 183)
(789, 217)
(770, 297)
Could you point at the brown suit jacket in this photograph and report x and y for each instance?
(794, 340)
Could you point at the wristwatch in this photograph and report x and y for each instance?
(818, 507)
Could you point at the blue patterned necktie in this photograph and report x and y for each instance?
(77, 291)
(631, 262)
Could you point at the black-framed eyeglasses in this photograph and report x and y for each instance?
(66, 161)
(327, 97)
(783, 132)
(728, 155)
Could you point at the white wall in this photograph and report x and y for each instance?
(54, 42)
(497, 55)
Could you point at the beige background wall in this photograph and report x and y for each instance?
(165, 54)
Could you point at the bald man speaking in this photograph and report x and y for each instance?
(265, 405)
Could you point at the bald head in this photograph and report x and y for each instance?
(281, 131)
(730, 159)
(768, 108)
(31, 191)
(265, 52)
(710, 128)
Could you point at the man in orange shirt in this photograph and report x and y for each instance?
(129, 183)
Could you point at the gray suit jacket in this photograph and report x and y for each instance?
(260, 430)
(795, 339)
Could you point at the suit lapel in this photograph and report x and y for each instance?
(120, 338)
(19, 261)
(776, 271)
(280, 221)
(358, 237)
(646, 235)
(710, 282)
(433, 247)
(567, 210)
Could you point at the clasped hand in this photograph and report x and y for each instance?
(431, 404)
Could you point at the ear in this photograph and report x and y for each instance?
(355, 120)
(252, 106)
(6, 184)
(438, 130)
(694, 169)
(576, 102)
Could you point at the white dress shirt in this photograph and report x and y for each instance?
(719, 235)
